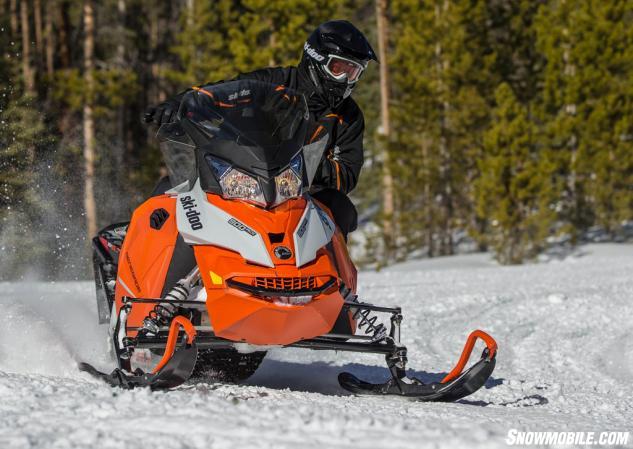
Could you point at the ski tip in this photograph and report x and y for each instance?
(349, 382)
(87, 368)
(346, 377)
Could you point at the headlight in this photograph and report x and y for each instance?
(235, 184)
(288, 183)
(238, 185)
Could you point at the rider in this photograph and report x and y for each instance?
(334, 57)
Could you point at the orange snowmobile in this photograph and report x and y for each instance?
(237, 258)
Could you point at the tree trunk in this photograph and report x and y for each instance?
(569, 70)
(13, 10)
(427, 201)
(67, 120)
(50, 45)
(27, 70)
(39, 41)
(119, 149)
(154, 68)
(191, 11)
(120, 51)
(272, 43)
(385, 128)
(88, 121)
(64, 27)
(442, 66)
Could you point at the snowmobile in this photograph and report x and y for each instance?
(234, 257)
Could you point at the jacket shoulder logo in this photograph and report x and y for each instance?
(193, 215)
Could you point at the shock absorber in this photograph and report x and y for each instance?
(163, 313)
(160, 315)
(367, 321)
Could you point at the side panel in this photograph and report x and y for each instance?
(202, 223)
(145, 256)
(315, 230)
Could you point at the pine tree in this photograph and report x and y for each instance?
(586, 108)
(441, 111)
(559, 106)
(511, 37)
(23, 138)
(272, 32)
(223, 38)
(515, 190)
(608, 130)
(202, 44)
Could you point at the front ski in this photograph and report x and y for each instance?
(455, 385)
(175, 367)
(466, 383)
(175, 372)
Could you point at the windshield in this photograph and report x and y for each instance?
(251, 126)
(252, 113)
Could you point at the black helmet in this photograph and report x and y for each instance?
(335, 56)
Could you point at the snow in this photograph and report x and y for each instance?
(565, 362)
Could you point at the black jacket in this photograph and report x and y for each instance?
(343, 158)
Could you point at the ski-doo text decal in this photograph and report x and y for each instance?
(193, 216)
(202, 223)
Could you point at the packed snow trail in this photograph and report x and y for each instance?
(565, 362)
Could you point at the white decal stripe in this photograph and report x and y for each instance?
(127, 289)
(214, 226)
(311, 233)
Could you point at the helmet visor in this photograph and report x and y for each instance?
(341, 68)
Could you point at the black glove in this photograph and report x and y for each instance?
(163, 113)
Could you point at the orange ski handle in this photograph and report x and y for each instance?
(177, 323)
(491, 344)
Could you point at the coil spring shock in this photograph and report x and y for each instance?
(365, 318)
(163, 313)
(160, 315)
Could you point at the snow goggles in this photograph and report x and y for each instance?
(340, 68)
